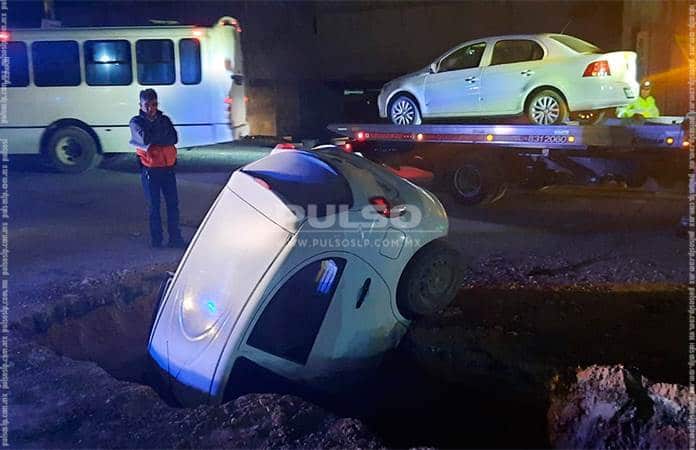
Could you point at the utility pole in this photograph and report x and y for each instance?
(49, 15)
(49, 10)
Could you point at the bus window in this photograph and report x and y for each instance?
(108, 63)
(19, 64)
(155, 58)
(56, 63)
(190, 61)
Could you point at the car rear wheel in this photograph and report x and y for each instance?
(547, 107)
(403, 110)
(430, 281)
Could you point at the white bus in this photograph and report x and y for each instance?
(72, 91)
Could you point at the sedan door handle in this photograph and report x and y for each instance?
(527, 73)
(471, 79)
(363, 293)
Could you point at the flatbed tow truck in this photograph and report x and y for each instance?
(478, 163)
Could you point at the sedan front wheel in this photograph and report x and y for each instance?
(403, 110)
(547, 107)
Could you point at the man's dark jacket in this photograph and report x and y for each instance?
(154, 140)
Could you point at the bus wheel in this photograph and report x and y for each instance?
(71, 149)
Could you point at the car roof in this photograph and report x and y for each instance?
(519, 36)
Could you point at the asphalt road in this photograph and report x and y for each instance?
(73, 228)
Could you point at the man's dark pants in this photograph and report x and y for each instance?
(156, 180)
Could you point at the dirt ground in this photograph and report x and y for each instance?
(553, 281)
(477, 375)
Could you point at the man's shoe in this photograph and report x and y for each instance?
(177, 243)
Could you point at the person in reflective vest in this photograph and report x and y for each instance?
(154, 138)
(644, 107)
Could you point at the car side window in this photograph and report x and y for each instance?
(512, 51)
(289, 324)
(467, 57)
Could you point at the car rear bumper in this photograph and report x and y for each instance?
(601, 94)
(382, 103)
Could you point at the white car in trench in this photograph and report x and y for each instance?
(547, 77)
(313, 297)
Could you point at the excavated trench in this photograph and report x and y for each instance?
(475, 376)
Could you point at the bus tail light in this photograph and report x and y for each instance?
(231, 22)
(597, 69)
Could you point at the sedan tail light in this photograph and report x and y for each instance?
(597, 69)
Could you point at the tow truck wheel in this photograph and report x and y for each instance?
(403, 110)
(547, 107)
(474, 182)
(429, 282)
(71, 149)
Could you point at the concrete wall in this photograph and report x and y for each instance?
(378, 39)
(301, 55)
(658, 31)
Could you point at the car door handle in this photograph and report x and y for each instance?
(471, 79)
(363, 293)
(527, 73)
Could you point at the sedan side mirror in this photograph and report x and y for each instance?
(433, 67)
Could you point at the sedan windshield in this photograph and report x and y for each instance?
(575, 44)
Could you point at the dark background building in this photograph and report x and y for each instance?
(301, 57)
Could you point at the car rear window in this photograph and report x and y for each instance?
(301, 179)
(575, 44)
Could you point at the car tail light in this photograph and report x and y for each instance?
(597, 69)
(4, 36)
(360, 136)
(262, 183)
(348, 147)
(229, 100)
(381, 205)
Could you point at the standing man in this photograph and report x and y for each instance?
(644, 107)
(154, 137)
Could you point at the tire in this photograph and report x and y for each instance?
(403, 110)
(429, 282)
(589, 117)
(547, 107)
(476, 181)
(71, 149)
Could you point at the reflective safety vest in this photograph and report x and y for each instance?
(157, 155)
(646, 107)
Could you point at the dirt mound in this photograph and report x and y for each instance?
(610, 407)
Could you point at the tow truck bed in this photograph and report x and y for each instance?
(479, 161)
